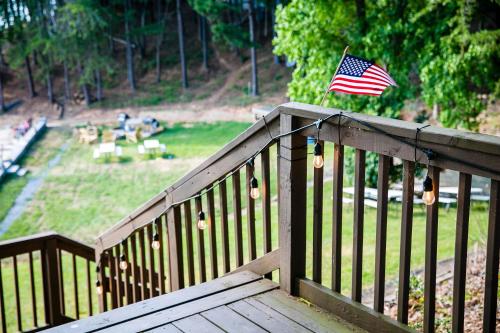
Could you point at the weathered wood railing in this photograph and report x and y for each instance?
(159, 248)
(38, 273)
(170, 214)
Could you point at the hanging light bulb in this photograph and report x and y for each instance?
(156, 242)
(202, 223)
(254, 188)
(123, 262)
(98, 287)
(318, 156)
(428, 197)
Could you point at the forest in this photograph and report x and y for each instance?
(442, 53)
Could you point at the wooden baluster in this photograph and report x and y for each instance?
(175, 248)
(338, 180)
(89, 288)
(292, 206)
(189, 242)
(2, 303)
(460, 266)
(136, 293)
(238, 236)
(252, 253)
(492, 246)
(151, 261)
(118, 277)
(223, 226)
(358, 225)
(317, 222)
(111, 279)
(75, 287)
(101, 276)
(33, 291)
(431, 230)
(52, 285)
(405, 244)
(161, 258)
(126, 274)
(62, 298)
(212, 233)
(266, 203)
(16, 292)
(201, 244)
(142, 271)
(381, 241)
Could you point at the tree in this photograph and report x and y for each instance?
(432, 49)
(182, 55)
(253, 53)
(129, 51)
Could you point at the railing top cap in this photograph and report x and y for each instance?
(446, 136)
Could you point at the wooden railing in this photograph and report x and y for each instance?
(239, 229)
(171, 215)
(45, 280)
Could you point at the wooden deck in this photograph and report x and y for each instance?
(241, 302)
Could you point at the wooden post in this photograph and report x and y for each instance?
(52, 285)
(292, 205)
(175, 248)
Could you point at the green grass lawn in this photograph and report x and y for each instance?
(82, 197)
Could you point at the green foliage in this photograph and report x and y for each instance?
(442, 51)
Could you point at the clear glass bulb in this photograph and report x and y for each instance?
(428, 197)
(155, 245)
(202, 224)
(318, 161)
(98, 288)
(123, 265)
(254, 193)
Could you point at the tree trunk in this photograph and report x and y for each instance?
(2, 101)
(253, 53)
(50, 88)
(31, 84)
(180, 30)
(67, 89)
(85, 88)
(204, 42)
(273, 15)
(129, 51)
(143, 36)
(159, 41)
(98, 84)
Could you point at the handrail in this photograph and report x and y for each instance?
(472, 146)
(195, 180)
(46, 249)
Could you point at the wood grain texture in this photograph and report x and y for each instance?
(188, 228)
(405, 242)
(338, 184)
(460, 265)
(292, 206)
(317, 221)
(431, 230)
(358, 225)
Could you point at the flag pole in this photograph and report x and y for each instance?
(338, 66)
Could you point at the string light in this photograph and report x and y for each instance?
(123, 262)
(428, 197)
(156, 242)
(202, 223)
(318, 156)
(98, 287)
(318, 160)
(254, 188)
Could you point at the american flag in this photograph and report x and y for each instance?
(361, 77)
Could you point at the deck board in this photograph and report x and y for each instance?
(196, 324)
(230, 321)
(241, 302)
